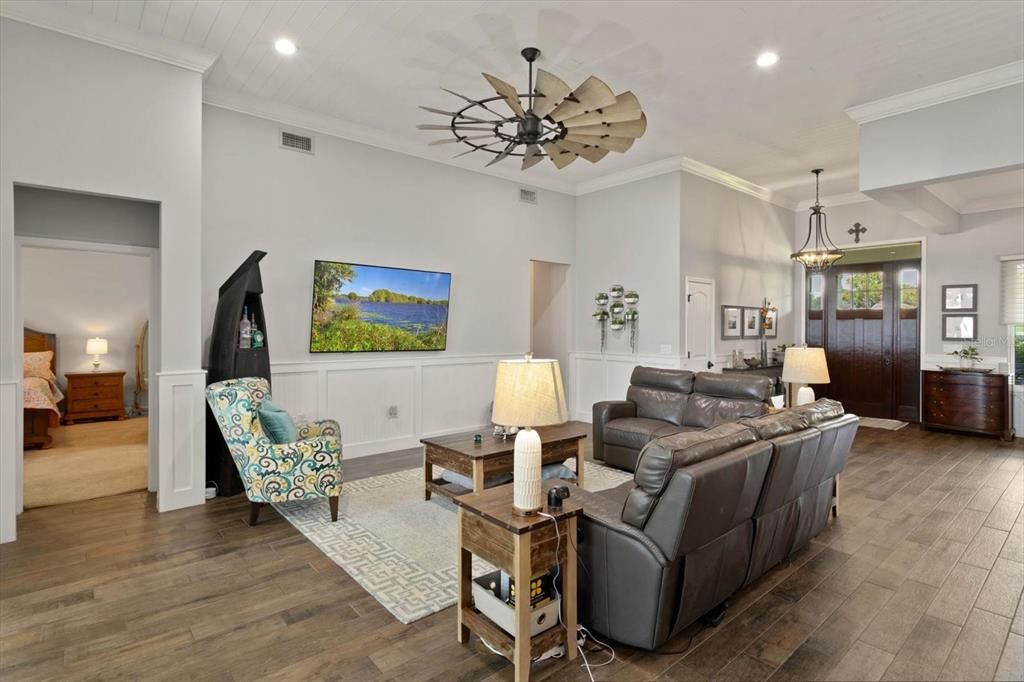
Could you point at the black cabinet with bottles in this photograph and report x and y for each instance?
(239, 297)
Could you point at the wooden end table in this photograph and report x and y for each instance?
(524, 547)
(457, 452)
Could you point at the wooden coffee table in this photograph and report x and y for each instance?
(457, 452)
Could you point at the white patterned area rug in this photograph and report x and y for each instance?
(887, 424)
(398, 547)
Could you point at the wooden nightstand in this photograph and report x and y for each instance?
(524, 547)
(94, 395)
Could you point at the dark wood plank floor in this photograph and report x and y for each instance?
(920, 578)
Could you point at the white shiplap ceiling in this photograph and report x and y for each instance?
(368, 65)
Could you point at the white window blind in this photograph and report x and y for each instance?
(1012, 285)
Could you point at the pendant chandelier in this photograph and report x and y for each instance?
(823, 253)
(548, 121)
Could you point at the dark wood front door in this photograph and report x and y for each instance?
(866, 318)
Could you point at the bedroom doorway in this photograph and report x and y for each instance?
(88, 275)
(549, 314)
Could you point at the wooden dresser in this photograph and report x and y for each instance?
(967, 401)
(94, 395)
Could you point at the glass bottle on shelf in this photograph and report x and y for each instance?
(257, 334)
(245, 330)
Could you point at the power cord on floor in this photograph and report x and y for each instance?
(579, 628)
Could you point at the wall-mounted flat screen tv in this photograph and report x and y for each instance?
(374, 309)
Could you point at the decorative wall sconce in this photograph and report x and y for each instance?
(617, 309)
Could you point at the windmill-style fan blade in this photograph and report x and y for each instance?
(473, 101)
(635, 128)
(532, 157)
(626, 108)
(552, 90)
(454, 114)
(509, 93)
(504, 153)
(560, 157)
(450, 140)
(468, 151)
(462, 126)
(591, 154)
(614, 144)
(592, 94)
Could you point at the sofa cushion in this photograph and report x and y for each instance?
(636, 432)
(655, 403)
(742, 386)
(820, 410)
(780, 423)
(706, 411)
(660, 459)
(676, 380)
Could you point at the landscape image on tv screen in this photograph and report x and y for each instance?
(369, 308)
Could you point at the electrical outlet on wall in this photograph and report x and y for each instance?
(393, 412)
(666, 348)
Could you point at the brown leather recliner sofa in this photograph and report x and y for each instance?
(663, 402)
(707, 513)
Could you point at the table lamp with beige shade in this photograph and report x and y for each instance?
(528, 393)
(96, 347)
(804, 366)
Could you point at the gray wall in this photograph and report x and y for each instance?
(57, 214)
(743, 244)
(629, 235)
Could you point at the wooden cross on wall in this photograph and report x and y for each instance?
(857, 231)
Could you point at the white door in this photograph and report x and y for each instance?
(700, 323)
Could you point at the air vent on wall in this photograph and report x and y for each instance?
(297, 142)
(528, 195)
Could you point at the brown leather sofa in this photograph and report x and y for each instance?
(663, 402)
(707, 512)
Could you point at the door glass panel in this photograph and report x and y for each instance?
(910, 287)
(859, 291)
(815, 291)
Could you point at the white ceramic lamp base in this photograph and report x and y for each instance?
(804, 395)
(527, 497)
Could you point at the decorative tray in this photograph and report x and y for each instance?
(965, 370)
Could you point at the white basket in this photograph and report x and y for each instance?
(492, 604)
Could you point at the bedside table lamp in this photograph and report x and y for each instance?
(96, 347)
(804, 366)
(528, 393)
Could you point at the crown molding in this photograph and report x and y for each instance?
(673, 164)
(336, 127)
(721, 177)
(109, 34)
(930, 95)
(834, 200)
(684, 164)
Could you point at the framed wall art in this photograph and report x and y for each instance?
(960, 298)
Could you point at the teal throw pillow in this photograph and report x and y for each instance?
(277, 423)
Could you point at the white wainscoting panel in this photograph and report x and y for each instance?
(182, 436)
(363, 397)
(434, 395)
(10, 458)
(457, 396)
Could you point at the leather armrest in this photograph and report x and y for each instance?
(604, 412)
(625, 582)
(607, 513)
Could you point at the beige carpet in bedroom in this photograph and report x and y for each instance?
(93, 459)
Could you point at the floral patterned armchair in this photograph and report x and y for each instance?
(309, 467)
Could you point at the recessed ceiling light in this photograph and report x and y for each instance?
(767, 59)
(285, 46)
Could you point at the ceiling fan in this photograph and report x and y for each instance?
(551, 120)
